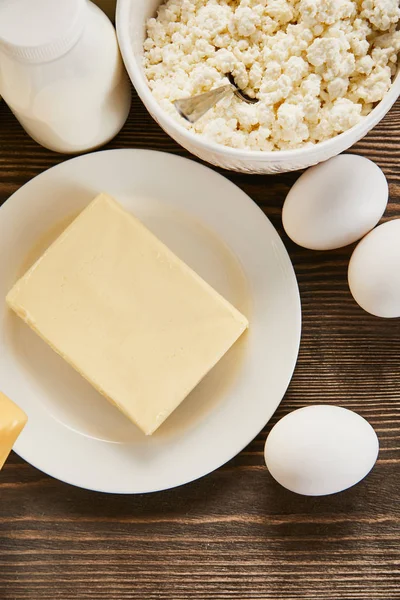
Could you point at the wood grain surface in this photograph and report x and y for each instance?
(236, 534)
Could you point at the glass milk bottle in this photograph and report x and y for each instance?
(61, 72)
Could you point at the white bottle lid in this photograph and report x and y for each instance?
(37, 31)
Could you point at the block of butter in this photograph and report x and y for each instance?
(12, 422)
(126, 313)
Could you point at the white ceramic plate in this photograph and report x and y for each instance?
(73, 433)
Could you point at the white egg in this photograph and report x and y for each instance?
(321, 450)
(374, 271)
(335, 203)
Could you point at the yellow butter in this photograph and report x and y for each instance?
(126, 312)
(12, 422)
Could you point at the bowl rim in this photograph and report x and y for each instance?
(330, 146)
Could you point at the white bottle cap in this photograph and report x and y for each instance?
(37, 31)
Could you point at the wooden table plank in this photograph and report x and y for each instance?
(236, 534)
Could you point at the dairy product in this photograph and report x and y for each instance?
(61, 73)
(12, 422)
(126, 313)
(317, 67)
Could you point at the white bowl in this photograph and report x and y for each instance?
(131, 27)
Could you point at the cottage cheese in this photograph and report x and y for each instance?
(317, 67)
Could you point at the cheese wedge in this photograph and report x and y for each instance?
(126, 313)
(12, 422)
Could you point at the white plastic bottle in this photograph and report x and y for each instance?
(61, 72)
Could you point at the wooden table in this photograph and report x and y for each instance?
(236, 534)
